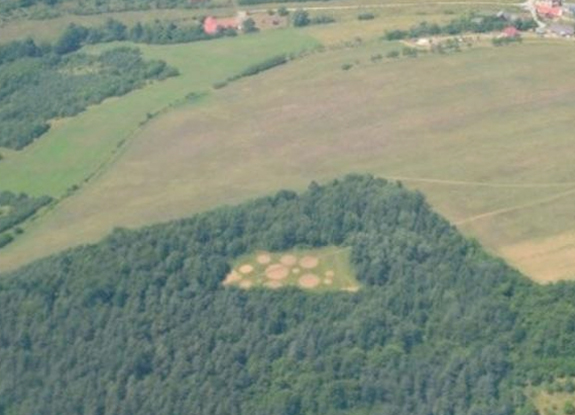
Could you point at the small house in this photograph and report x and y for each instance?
(549, 8)
(213, 25)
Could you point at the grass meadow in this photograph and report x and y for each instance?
(325, 269)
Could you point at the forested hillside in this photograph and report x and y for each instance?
(140, 323)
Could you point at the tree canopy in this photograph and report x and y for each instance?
(140, 323)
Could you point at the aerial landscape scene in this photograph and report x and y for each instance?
(342, 207)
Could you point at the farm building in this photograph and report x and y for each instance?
(549, 8)
(214, 24)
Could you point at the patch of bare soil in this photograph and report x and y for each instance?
(264, 259)
(309, 262)
(277, 272)
(288, 260)
(309, 281)
(246, 269)
(232, 278)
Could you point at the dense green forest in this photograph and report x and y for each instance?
(36, 89)
(15, 209)
(140, 324)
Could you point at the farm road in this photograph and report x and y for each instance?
(517, 207)
(394, 5)
(484, 184)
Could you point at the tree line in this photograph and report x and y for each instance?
(35, 90)
(14, 209)
(140, 323)
(472, 23)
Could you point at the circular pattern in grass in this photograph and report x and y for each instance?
(277, 272)
(232, 278)
(308, 281)
(309, 262)
(288, 260)
(246, 269)
(264, 259)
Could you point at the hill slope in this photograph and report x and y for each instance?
(140, 322)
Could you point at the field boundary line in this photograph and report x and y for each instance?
(517, 207)
(482, 184)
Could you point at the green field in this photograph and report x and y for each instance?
(325, 269)
(76, 148)
(488, 147)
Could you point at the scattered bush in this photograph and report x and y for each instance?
(366, 16)
(283, 11)
(16, 208)
(249, 26)
(322, 19)
(5, 239)
(393, 54)
(504, 41)
(219, 85)
(346, 66)
(300, 18)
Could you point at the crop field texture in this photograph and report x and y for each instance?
(326, 269)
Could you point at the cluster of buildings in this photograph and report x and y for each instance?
(559, 17)
(550, 9)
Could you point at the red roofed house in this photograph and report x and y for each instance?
(549, 8)
(510, 31)
(212, 24)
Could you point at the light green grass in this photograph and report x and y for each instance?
(76, 148)
(548, 402)
(334, 260)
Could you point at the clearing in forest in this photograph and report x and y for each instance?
(554, 398)
(314, 269)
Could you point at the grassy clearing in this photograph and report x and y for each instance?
(553, 399)
(76, 148)
(325, 269)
